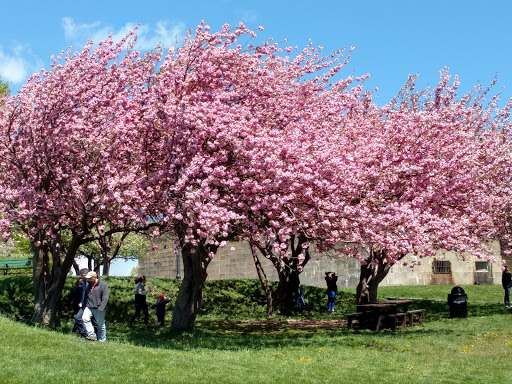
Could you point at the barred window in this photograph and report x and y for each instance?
(442, 266)
(482, 266)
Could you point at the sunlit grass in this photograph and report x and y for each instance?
(240, 346)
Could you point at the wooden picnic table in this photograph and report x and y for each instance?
(384, 313)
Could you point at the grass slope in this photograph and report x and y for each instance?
(233, 345)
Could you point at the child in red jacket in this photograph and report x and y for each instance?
(160, 310)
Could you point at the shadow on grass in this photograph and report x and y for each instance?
(436, 309)
(233, 317)
(303, 330)
(231, 336)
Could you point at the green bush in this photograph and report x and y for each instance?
(227, 298)
(16, 297)
(240, 299)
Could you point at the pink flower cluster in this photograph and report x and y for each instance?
(216, 140)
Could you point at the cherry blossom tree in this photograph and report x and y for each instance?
(75, 155)
(230, 113)
(428, 171)
(291, 200)
(225, 140)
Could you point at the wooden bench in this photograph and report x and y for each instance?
(351, 317)
(398, 318)
(16, 263)
(411, 314)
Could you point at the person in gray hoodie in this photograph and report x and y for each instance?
(140, 301)
(96, 301)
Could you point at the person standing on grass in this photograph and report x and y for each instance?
(506, 282)
(97, 296)
(74, 299)
(160, 310)
(79, 324)
(140, 301)
(298, 294)
(332, 289)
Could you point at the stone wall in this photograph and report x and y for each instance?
(238, 264)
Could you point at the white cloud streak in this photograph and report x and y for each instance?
(148, 35)
(18, 63)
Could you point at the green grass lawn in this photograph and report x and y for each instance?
(234, 344)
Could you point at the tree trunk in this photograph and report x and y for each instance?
(263, 280)
(189, 298)
(285, 293)
(41, 275)
(106, 244)
(48, 285)
(371, 275)
(362, 291)
(106, 266)
(76, 267)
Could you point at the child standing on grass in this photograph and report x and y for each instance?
(160, 309)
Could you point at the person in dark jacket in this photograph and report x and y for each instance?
(332, 290)
(506, 282)
(160, 310)
(74, 299)
(298, 293)
(79, 324)
(140, 301)
(75, 296)
(96, 301)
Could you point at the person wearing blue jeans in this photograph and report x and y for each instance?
(97, 296)
(332, 289)
(506, 282)
(298, 294)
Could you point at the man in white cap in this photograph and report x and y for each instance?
(95, 304)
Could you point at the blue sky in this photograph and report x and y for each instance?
(392, 39)
(118, 267)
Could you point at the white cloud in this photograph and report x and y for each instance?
(17, 64)
(148, 35)
(247, 16)
(73, 31)
(13, 68)
(162, 34)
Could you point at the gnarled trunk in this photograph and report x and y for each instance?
(106, 267)
(372, 273)
(107, 244)
(263, 280)
(41, 276)
(48, 284)
(189, 300)
(285, 292)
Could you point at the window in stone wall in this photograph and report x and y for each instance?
(442, 266)
(482, 266)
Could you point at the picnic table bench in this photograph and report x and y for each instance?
(412, 314)
(352, 318)
(390, 313)
(16, 263)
